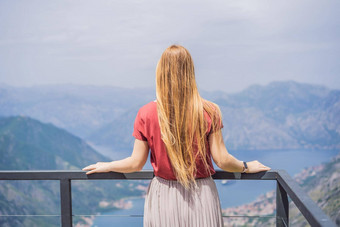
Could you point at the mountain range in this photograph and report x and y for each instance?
(280, 115)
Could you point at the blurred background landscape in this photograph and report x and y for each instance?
(74, 74)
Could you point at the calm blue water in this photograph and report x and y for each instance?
(240, 192)
(129, 217)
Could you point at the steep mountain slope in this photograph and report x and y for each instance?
(27, 144)
(30, 144)
(321, 183)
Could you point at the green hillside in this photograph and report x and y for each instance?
(27, 144)
(41, 146)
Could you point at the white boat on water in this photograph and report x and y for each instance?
(227, 182)
(224, 182)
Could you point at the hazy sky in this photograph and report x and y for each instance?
(233, 43)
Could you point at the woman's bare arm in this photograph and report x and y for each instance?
(130, 164)
(226, 161)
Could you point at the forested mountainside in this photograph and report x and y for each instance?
(280, 115)
(27, 144)
(321, 183)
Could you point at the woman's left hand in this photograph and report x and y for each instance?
(99, 167)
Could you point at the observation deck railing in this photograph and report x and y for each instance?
(285, 187)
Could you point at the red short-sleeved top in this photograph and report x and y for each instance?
(146, 128)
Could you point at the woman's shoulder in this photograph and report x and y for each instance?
(148, 108)
(149, 105)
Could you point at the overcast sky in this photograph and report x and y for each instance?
(233, 43)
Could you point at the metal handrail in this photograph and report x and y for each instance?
(286, 186)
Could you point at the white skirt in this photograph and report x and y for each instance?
(167, 203)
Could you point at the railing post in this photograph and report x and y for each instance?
(282, 206)
(66, 203)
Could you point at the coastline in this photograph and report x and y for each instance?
(124, 203)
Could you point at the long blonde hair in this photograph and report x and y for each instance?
(180, 113)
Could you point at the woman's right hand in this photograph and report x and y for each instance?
(256, 166)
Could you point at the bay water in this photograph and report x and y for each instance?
(239, 191)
